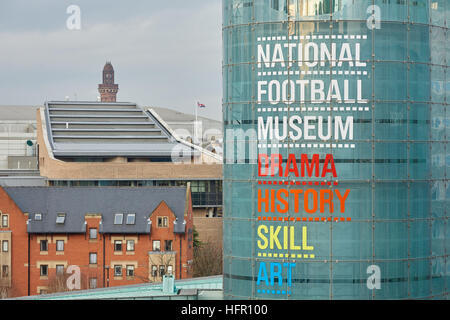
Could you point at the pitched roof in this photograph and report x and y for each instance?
(108, 66)
(76, 202)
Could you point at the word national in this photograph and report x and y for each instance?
(311, 54)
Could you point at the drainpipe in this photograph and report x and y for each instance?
(29, 258)
(180, 256)
(104, 261)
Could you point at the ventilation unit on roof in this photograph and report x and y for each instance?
(169, 284)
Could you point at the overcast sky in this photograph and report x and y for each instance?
(165, 53)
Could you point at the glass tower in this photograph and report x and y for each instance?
(363, 88)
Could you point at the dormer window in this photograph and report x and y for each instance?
(131, 218)
(38, 216)
(118, 218)
(61, 218)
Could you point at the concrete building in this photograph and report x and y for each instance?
(18, 160)
(115, 236)
(119, 144)
(17, 138)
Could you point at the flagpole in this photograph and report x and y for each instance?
(195, 123)
(196, 107)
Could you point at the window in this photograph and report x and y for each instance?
(162, 270)
(44, 245)
(92, 283)
(168, 245)
(59, 245)
(154, 271)
(93, 233)
(44, 270)
(5, 221)
(156, 245)
(131, 218)
(198, 186)
(118, 218)
(5, 246)
(5, 271)
(130, 271)
(130, 245)
(117, 270)
(170, 270)
(162, 222)
(42, 291)
(92, 258)
(60, 218)
(117, 245)
(38, 216)
(59, 269)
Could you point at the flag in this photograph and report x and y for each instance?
(201, 105)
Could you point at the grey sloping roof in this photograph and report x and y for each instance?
(171, 115)
(93, 129)
(76, 202)
(179, 120)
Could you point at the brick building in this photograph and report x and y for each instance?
(108, 89)
(90, 144)
(116, 236)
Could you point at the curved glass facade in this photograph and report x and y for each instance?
(367, 83)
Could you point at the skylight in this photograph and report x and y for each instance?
(131, 218)
(60, 218)
(118, 218)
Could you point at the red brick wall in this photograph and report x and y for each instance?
(18, 245)
(78, 246)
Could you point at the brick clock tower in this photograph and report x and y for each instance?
(108, 89)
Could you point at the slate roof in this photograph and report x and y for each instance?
(76, 202)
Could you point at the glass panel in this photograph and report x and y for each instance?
(118, 218)
(395, 165)
(131, 218)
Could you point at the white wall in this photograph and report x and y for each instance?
(13, 139)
